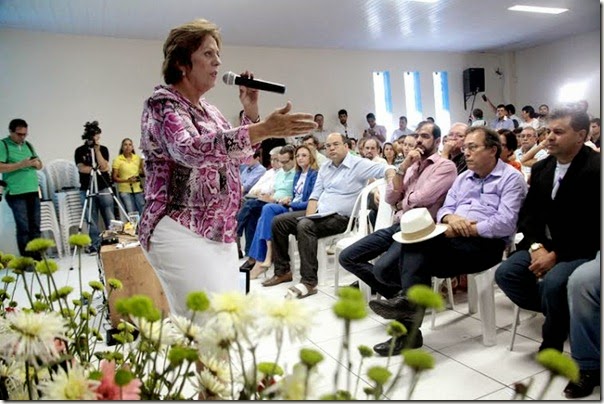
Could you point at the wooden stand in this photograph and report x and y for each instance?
(130, 266)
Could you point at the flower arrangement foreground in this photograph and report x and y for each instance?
(52, 349)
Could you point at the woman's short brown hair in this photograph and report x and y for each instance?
(181, 43)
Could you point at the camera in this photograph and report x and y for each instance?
(91, 129)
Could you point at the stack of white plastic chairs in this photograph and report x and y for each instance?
(64, 183)
(48, 214)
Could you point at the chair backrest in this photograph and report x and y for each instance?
(385, 213)
(62, 174)
(360, 210)
(43, 184)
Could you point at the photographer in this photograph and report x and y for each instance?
(127, 172)
(92, 159)
(18, 165)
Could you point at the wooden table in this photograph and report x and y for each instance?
(130, 266)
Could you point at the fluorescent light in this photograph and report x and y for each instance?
(535, 9)
(571, 92)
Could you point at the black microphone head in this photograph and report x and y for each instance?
(229, 78)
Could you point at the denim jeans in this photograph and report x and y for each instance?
(546, 295)
(105, 202)
(133, 201)
(584, 307)
(247, 220)
(26, 211)
(383, 276)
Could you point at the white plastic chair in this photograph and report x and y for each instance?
(49, 222)
(61, 175)
(516, 323)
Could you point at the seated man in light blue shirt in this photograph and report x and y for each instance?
(480, 211)
(251, 173)
(338, 184)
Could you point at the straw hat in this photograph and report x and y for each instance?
(417, 225)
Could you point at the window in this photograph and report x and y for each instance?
(383, 100)
(441, 99)
(413, 98)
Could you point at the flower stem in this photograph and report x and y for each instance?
(546, 387)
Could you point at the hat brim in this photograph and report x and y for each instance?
(439, 229)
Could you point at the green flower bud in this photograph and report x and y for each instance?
(64, 291)
(340, 395)
(418, 359)
(350, 293)
(198, 301)
(96, 285)
(310, 357)
(350, 309)
(140, 306)
(4, 295)
(39, 306)
(39, 245)
(270, 369)
(123, 377)
(114, 284)
(13, 304)
(8, 279)
(379, 374)
(86, 295)
(19, 265)
(80, 240)
(424, 296)
(396, 329)
(6, 258)
(177, 355)
(365, 351)
(47, 267)
(559, 364)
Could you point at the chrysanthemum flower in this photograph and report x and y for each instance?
(71, 385)
(39, 245)
(418, 359)
(210, 385)
(80, 240)
(108, 389)
(160, 332)
(218, 367)
(291, 315)
(559, 364)
(424, 296)
(188, 331)
(47, 267)
(28, 336)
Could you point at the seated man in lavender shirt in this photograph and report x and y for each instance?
(250, 173)
(480, 211)
(422, 180)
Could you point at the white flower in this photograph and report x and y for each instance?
(291, 315)
(27, 336)
(211, 385)
(238, 306)
(71, 385)
(218, 367)
(185, 329)
(161, 332)
(293, 386)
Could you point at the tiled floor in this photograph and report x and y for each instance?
(465, 369)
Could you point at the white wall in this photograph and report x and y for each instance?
(541, 71)
(58, 82)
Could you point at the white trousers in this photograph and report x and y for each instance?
(186, 262)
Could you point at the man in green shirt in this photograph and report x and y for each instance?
(18, 165)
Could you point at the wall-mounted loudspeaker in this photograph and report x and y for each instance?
(473, 80)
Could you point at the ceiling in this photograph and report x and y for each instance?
(392, 25)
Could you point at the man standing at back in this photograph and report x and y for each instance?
(422, 180)
(343, 126)
(18, 165)
(560, 221)
(374, 130)
(338, 184)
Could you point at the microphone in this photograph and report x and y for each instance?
(231, 78)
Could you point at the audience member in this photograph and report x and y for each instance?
(452, 147)
(389, 154)
(248, 215)
(320, 133)
(509, 143)
(422, 180)
(510, 110)
(529, 152)
(584, 288)
(338, 184)
(312, 143)
(352, 146)
(595, 131)
(529, 117)
(543, 115)
(303, 183)
(501, 121)
(192, 158)
(127, 170)
(402, 129)
(430, 119)
(18, 165)
(480, 213)
(343, 127)
(557, 238)
(91, 159)
(477, 118)
(374, 130)
(251, 172)
(371, 150)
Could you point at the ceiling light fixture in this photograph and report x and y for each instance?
(535, 9)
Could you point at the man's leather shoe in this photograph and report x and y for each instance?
(396, 308)
(246, 266)
(277, 279)
(588, 380)
(383, 348)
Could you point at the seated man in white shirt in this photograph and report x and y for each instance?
(402, 130)
(529, 152)
(371, 151)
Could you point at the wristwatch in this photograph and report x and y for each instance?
(535, 246)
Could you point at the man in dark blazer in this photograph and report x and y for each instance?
(560, 221)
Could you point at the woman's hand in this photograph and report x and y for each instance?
(282, 124)
(249, 98)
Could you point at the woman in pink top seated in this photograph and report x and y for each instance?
(192, 158)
